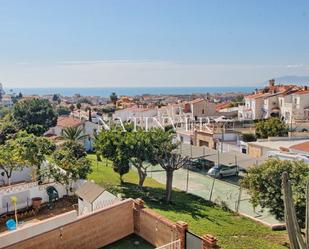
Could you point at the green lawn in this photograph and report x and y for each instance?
(232, 231)
(130, 242)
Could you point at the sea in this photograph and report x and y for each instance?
(129, 91)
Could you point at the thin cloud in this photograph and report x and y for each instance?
(141, 73)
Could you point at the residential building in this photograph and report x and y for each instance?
(64, 122)
(134, 112)
(6, 100)
(275, 101)
(295, 106)
(253, 108)
(211, 135)
(185, 136)
(199, 108)
(263, 146)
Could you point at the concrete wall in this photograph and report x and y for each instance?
(24, 193)
(23, 175)
(95, 230)
(37, 228)
(255, 151)
(204, 139)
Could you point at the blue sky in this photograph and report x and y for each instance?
(151, 42)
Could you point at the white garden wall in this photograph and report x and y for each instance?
(24, 193)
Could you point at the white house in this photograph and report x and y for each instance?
(253, 108)
(92, 197)
(141, 116)
(88, 127)
(134, 112)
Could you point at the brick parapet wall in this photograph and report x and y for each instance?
(155, 228)
(95, 230)
(107, 225)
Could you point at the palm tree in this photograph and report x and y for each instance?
(113, 98)
(73, 133)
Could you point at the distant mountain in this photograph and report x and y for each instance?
(291, 79)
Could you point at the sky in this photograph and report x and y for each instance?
(148, 43)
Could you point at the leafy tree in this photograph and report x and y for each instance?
(11, 158)
(63, 110)
(140, 150)
(78, 105)
(34, 115)
(113, 98)
(7, 129)
(272, 127)
(76, 149)
(56, 97)
(171, 162)
(72, 107)
(75, 133)
(165, 155)
(75, 168)
(34, 150)
(111, 145)
(264, 185)
(4, 111)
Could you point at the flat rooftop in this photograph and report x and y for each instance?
(275, 145)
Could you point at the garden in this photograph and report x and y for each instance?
(233, 231)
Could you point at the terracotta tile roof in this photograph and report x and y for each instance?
(68, 122)
(302, 146)
(256, 95)
(302, 92)
(288, 92)
(196, 101)
(222, 105)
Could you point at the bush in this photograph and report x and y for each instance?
(264, 184)
(248, 137)
(272, 127)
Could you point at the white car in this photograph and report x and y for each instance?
(220, 171)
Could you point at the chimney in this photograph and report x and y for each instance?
(271, 82)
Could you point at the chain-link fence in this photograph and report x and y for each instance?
(225, 192)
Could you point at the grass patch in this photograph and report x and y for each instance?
(203, 217)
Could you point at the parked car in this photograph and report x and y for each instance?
(200, 164)
(220, 171)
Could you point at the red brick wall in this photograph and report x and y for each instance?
(156, 229)
(92, 231)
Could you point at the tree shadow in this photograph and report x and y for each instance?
(182, 202)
